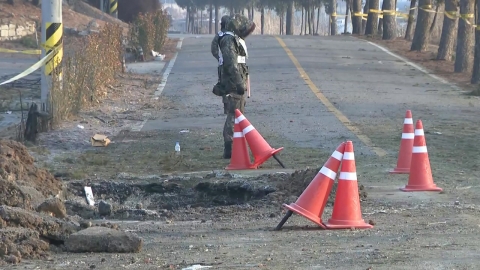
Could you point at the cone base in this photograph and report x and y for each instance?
(238, 167)
(400, 171)
(347, 224)
(305, 213)
(264, 157)
(411, 188)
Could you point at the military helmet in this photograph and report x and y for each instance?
(224, 21)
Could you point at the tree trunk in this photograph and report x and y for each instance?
(347, 9)
(312, 19)
(449, 31)
(216, 17)
(318, 19)
(281, 24)
(262, 20)
(434, 22)
(465, 40)
(411, 20)
(421, 37)
(210, 20)
(365, 11)
(289, 25)
(476, 61)
(301, 23)
(201, 22)
(305, 21)
(187, 22)
(333, 18)
(356, 20)
(307, 15)
(372, 20)
(253, 12)
(389, 27)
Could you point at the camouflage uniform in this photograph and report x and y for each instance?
(233, 82)
(215, 49)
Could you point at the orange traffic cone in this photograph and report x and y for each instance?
(313, 200)
(240, 158)
(406, 146)
(261, 150)
(346, 209)
(420, 178)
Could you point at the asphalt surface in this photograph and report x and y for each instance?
(364, 85)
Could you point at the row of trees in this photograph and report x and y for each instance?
(458, 42)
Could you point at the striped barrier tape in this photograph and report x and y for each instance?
(31, 69)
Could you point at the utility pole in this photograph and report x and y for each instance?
(113, 8)
(52, 38)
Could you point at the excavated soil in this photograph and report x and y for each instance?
(23, 232)
(18, 173)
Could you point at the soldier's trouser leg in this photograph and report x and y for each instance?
(234, 102)
(225, 104)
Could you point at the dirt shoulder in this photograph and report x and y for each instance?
(427, 60)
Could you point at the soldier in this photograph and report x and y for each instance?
(215, 49)
(233, 82)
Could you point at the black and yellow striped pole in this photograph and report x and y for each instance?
(52, 43)
(113, 8)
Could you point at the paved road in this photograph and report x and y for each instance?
(315, 91)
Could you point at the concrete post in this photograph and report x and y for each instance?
(52, 38)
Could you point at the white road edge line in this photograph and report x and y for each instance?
(162, 84)
(429, 73)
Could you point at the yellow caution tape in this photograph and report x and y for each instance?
(31, 69)
(35, 52)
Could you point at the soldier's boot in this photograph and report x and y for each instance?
(227, 151)
(225, 108)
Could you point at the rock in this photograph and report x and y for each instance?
(102, 239)
(49, 227)
(85, 224)
(136, 214)
(139, 206)
(54, 206)
(83, 210)
(12, 259)
(104, 208)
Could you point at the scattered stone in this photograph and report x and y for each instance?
(54, 206)
(12, 259)
(85, 224)
(104, 208)
(139, 206)
(83, 210)
(136, 214)
(101, 239)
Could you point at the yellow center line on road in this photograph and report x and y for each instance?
(340, 116)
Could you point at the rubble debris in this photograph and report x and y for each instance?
(81, 209)
(21, 243)
(48, 227)
(102, 239)
(55, 206)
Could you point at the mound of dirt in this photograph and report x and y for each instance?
(297, 182)
(17, 169)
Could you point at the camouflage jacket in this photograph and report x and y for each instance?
(215, 49)
(234, 70)
(234, 52)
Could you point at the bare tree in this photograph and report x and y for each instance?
(372, 20)
(411, 20)
(476, 61)
(389, 24)
(421, 38)
(449, 31)
(357, 20)
(465, 40)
